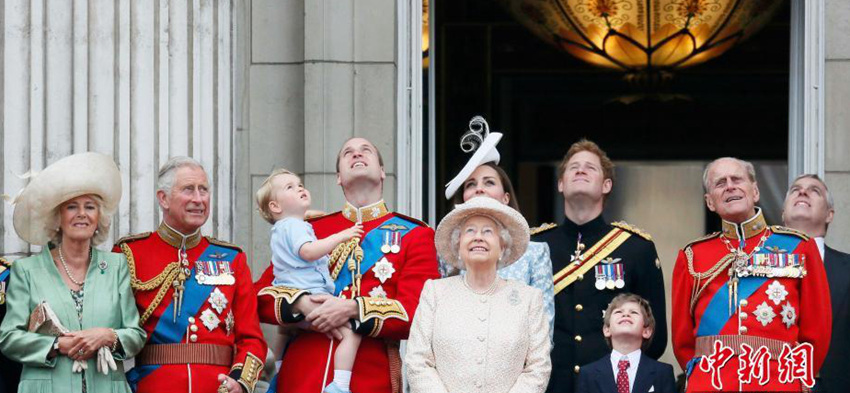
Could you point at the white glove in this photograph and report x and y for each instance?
(105, 361)
(79, 366)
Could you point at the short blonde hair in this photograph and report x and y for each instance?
(103, 223)
(266, 192)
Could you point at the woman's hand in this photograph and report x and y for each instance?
(66, 343)
(88, 342)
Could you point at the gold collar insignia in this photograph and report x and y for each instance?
(752, 227)
(365, 213)
(177, 239)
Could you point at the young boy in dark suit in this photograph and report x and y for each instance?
(628, 327)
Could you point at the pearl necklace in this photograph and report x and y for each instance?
(487, 291)
(68, 271)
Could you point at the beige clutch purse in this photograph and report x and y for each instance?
(44, 321)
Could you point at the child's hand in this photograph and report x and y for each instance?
(355, 231)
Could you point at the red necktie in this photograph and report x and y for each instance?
(623, 376)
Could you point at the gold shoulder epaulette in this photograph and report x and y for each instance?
(320, 216)
(789, 231)
(223, 243)
(702, 239)
(415, 220)
(130, 238)
(543, 228)
(631, 228)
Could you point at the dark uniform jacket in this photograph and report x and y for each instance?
(10, 372)
(579, 306)
(835, 373)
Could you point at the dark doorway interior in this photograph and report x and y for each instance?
(543, 100)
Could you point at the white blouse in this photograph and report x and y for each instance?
(464, 342)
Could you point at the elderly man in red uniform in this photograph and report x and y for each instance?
(378, 280)
(194, 294)
(751, 307)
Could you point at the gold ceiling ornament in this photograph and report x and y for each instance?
(637, 36)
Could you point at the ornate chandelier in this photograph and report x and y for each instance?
(641, 36)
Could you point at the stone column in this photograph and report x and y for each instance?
(837, 133)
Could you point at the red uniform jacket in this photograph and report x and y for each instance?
(393, 292)
(225, 316)
(777, 302)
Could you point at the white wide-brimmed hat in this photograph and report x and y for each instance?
(66, 179)
(483, 142)
(511, 219)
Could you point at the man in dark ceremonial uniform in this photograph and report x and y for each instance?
(809, 208)
(594, 261)
(10, 372)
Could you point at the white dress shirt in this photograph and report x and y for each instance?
(819, 241)
(634, 360)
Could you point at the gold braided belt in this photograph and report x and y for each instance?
(163, 281)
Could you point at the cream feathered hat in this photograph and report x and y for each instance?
(68, 178)
(483, 142)
(505, 215)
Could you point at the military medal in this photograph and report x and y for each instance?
(229, 321)
(385, 248)
(214, 273)
(576, 258)
(619, 282)
(378, 292)
(395, 248)
(600, 277)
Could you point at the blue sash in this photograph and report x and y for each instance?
(168, 331)
(371, 246)
(716, 314)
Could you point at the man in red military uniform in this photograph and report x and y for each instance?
(378, 280)
(194, 294)
(751, 306)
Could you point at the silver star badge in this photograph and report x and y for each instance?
(764, 313)
(217, 300)
(789, 315)
(229, 322)
(376, 211)
(776, 292)
(378, 292)
(209, 319)
(383, 270)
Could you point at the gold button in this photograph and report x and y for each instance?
(744, 303)
(579, 307)
(578, 339)
(193, 328)
(743, 315)
(191, 319)
(742, 330)
(576, 369)
(193, 338)
(580, 277)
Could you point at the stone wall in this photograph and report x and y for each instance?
(837, 112)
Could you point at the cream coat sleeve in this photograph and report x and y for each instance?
(421, 367)
(538, 364)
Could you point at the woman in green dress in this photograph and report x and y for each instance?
(67, 207)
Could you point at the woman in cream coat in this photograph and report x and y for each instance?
(478, 332)
(67, 208)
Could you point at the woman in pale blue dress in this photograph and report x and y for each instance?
(481, 176)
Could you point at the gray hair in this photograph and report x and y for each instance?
(748, 166)
(103, 223)
(504, 234)
(829, 201)
(165, 179)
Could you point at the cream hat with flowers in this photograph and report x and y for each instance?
(505, 215)
(66, 179)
